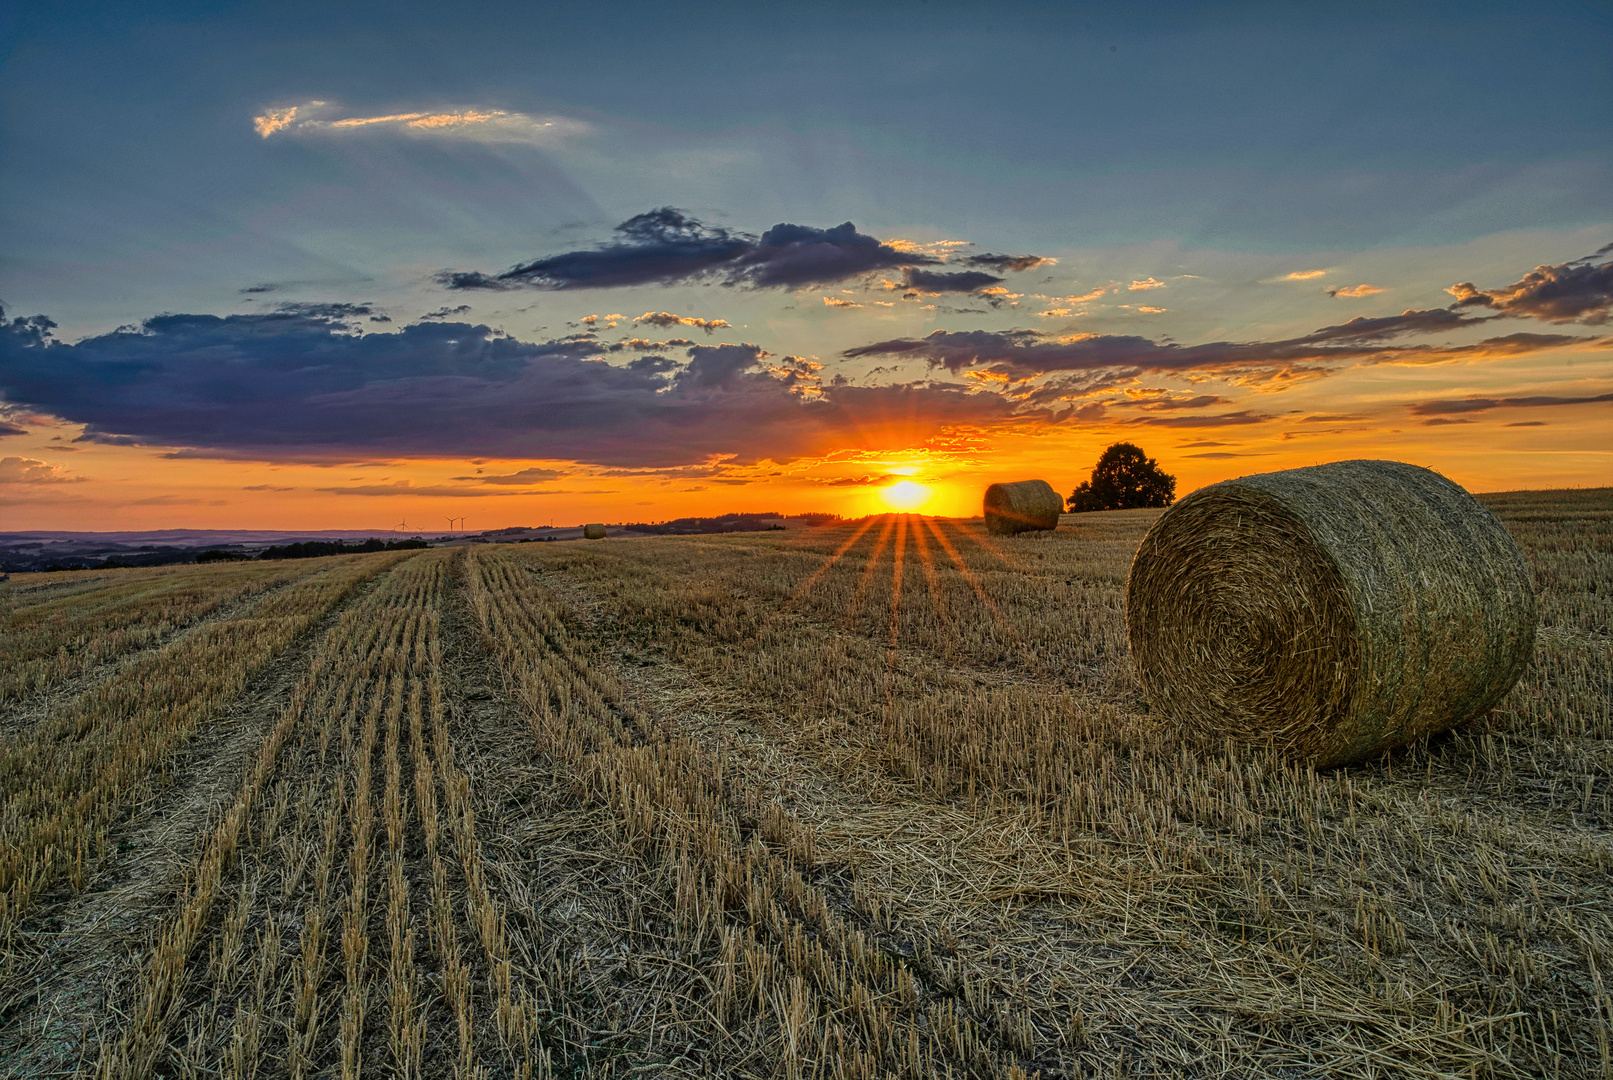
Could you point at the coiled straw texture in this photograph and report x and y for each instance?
(1336, 611)
(1025, 506)
(593, 531)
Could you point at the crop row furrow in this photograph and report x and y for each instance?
(62, 788)
(809, 988)
(364, 890)
(49, 643)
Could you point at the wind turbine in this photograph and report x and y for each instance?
(404, 524)
(450, 526)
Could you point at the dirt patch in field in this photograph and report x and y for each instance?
(79, 953)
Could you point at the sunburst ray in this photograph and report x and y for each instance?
(861, 594)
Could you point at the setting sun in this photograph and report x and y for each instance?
(905, 495)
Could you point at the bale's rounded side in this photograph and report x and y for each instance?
(1336, 611)
(1022, 507)
(593, 531)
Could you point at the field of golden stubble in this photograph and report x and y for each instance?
(872, 800)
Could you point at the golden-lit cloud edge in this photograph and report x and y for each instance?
(476, 124)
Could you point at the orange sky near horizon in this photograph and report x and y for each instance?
(117, 488)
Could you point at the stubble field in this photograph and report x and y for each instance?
(874, 800)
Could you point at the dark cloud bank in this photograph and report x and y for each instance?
(297, 384)
(667, 246)
(301, 382)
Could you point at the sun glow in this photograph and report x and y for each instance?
(905, 495)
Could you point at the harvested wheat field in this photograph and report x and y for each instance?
(875, 800)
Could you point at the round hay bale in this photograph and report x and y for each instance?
(1022, 507)
(1335, 612)
(593, 531)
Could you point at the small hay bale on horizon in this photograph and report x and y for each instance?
(1335, 612)
(1023, 506)
(593, 531)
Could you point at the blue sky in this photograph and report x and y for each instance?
(1215, 150)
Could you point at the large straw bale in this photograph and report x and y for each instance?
(593, 531)
(1022, 507)
(1335, 611)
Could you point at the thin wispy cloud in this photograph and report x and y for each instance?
(665, 320)
(1485, 404)
(1109, 359)
(1303, 275)
(1009, 262)
(477, 124)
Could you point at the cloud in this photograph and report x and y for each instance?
(837, 302)
(1427, 321)
(406, 487)
(285, 386)
(176, 500)
(935, 282)
(447, 312)
(1484, 404)
(1578, 291)
(525, 476)
(1146, 310)
(1232, 419)
(477, 124)
(667, 246)
(1081, 299)
(27, 470)
(8, 428)
(1163, 404)
(1355, 291)
(879, 480)
(1303, 275)
(266, 487)
(1026, 354)
(1145, 283)
(665, 319)
(1008, 262)
(639, 344)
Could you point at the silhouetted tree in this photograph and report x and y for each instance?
(1124, 478)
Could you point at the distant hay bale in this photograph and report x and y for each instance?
(1022, 507)
(593, 531)
(1336, 611)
